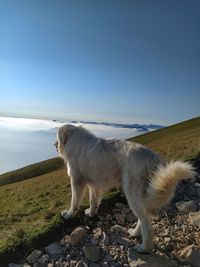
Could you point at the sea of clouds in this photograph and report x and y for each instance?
(26, 141)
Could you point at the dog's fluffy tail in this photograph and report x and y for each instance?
(162, 185)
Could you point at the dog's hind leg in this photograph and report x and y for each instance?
(143, 223)
(78, 187)
(136, 205)
(95, 200)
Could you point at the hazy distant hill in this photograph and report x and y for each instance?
(139, 127)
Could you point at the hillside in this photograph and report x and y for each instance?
(32, 197)
(179, 141)
(31, 171)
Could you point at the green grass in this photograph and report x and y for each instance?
(31, 204)
(31, 171)
(33, 197)
(179, 141)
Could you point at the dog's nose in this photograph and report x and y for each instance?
(56, 145)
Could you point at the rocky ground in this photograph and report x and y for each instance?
(109, 243)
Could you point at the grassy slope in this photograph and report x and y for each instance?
(31, 171)
(179, 141)
(30, 206)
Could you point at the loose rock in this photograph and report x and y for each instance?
(76, 236)
(191, 255)
(195, 218)
(186, 206)
(130, 218)
(54, 249)
(120, 219)
(91, 252)
(118, 228)
(138, 263)
(108, 258)
(32, 258)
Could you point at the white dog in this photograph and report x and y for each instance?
(99, 164)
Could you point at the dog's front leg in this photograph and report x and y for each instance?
(78, 189)
(95, 199)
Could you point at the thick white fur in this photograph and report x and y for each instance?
(100, 164)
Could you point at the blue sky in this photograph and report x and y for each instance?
(121, 61)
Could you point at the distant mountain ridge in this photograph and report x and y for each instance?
(139, 127)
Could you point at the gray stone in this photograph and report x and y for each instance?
(93, 241)
(123, 241)
(198, 191)
(191, 255)
(91, 252)
(186, 206)
(138, 263)
(37, 264)
(13, 265)
(120, 219)
(99, 224)
(93, 264)
(54, 249)
(150, 260)
(43, 259)
(32, 258)
(194, 218)
(108, 258)
(120, 205)
(109, 217)
(118, 228)
(130, 218)
(76, 236)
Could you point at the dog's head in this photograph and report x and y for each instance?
(63, 136)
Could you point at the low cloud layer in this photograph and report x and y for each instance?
(26, 141)
(34, 125)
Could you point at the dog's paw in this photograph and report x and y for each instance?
(134, 232)
(139, 248)
(67, 214)
(90, 213)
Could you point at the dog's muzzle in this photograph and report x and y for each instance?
(56, 145)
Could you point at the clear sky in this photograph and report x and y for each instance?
(121, 61)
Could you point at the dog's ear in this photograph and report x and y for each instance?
(64, 137)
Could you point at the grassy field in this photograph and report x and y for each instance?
(32, 197)
(30, 204)
(179, 141)
(31, 171)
